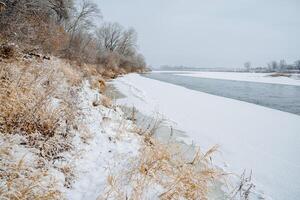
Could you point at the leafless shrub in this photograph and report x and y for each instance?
(34, 22)
(109, 74)
(60, 28)
(118, 49)
(80, 39)
(110, 60)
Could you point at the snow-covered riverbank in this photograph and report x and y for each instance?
(81, 145)
(65, 139)
(238, 76)
(102, 149)
(250, 136)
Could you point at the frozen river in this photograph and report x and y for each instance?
(250, 136)
(277, 96)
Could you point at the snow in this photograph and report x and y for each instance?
(250, 136)
(249, 77)
(110, 145)
(102, 143)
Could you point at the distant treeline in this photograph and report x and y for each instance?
(184, 68)
(275, 66)
(67, 29)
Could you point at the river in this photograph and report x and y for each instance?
(277, 96)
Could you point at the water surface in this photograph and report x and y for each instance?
(276, 96)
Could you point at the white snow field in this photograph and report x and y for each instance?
(109, 145)
(251, 137)
(249, 77)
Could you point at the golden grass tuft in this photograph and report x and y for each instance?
(164, 166)
(106, 101)
(73, 76)
(25, 97)
(102, 85)
(32, 105)
(98, 84)
(109, 74)
(86, 137)
(21, 180)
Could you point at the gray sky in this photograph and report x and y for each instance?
(210, 33)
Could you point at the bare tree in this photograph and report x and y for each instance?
(83, 18)
(128, 42)
(282, 65)
(112, 37)
(247, 65)
(28, 19)
(274, 65)
(117, 48)
(61, 28)
(85, 49)
(79, 26)
(297, 64)
(109, 36)
(61, 8)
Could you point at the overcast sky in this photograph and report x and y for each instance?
(210, 33)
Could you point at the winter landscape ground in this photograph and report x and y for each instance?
(62, 138)
(250, 137)
(86, 145)
(83, 117)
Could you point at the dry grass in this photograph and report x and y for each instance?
(34, 106)
(165, 167)
(98, 83)
(25, 98)
(21, 180)
(37, 104)
(88, 70)
(102, 85)
(29, 106)
(163, 170)
(106, 102)
(86, 136)
(73, 76)
(244, 189)
(102, 100)
(109, 74)
(69, 174)
(280, 75)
